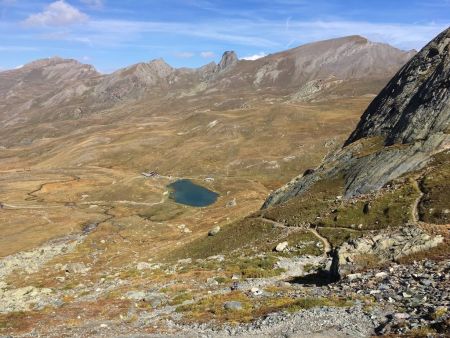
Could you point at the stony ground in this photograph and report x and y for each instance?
(391, 299)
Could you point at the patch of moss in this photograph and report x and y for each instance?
(212, 308)
(222, 280)
(260, 267)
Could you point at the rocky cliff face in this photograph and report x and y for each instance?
(416, 102)
(406, 124)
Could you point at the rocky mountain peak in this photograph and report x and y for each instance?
(416, 102)
(160, 67)
(229, 58)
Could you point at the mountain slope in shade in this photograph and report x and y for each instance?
(406, 124)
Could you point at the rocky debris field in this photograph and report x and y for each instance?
(410, 297)
(398, 299)
(394, 299)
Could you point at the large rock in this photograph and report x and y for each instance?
(153, 298)
(214, 231)
(233, 305)
(77, 268)
(281, 246)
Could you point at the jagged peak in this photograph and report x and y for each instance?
(229, 58)
(159, 62)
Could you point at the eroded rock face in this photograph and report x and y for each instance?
(413, 111)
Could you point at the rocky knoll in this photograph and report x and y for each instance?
(405, 125)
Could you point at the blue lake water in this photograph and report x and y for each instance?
(186, 192)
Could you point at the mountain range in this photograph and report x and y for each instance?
(58, 89)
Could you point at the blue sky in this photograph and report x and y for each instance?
(111, 33)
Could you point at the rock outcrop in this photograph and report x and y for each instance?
(389, 245)
(406, 124)
(229, 58)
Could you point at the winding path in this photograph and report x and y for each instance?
(415, 208)
(326, 244)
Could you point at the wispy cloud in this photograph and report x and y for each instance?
(207, 54)
(17, 49)
(267, 34)
(58, 13)
(405, 36)
(95, 4)
(184, 55)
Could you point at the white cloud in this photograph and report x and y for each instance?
(207, 54)
(254, 57)
(19, 66)
(58, 13)
(184, 55)
(96, 4)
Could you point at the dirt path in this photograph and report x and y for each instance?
(326, 244)
(415, 208)
(274, 223)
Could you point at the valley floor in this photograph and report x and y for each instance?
(91, 247)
